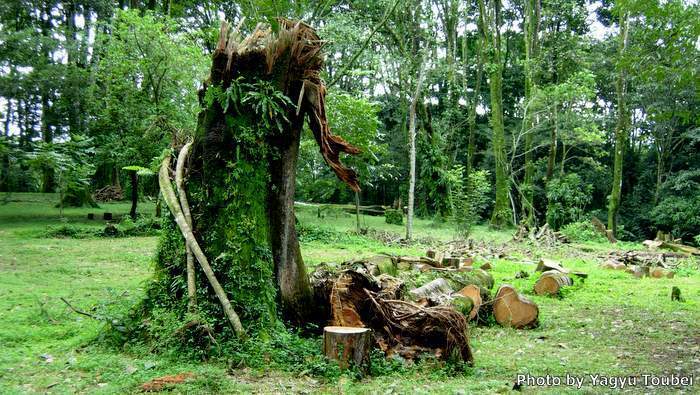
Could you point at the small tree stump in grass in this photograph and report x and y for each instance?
(514, 310)
(107, 216)
(91, 216)
(347, 345)
(551, 282)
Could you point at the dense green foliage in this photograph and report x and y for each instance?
(125, 75)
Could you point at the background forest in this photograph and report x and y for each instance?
(519, 112)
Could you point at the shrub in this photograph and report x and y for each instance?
(678, 210)
(567, 197)
(393, 216)
(467, 202)
(582, 231)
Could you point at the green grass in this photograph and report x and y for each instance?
(613, 324)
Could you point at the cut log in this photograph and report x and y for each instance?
(349, 346)
(437, 291)
(511, 309)
(681, 248)
(486, 266)
(551, 282)
(407, 261)
(658, 272)
(613, 264)
(580, 275)
(466, 262)
(455, 262)
(474, 293)
(547, 264)
(652, 245)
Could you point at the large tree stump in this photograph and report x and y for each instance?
(514, 310)
(551, 282)
(347, 345)
(241, 178)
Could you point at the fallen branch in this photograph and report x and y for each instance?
(171, 200)
(75, 309)
(180, 184)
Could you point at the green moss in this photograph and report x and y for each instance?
(228, 195)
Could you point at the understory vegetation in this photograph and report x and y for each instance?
(593, 327)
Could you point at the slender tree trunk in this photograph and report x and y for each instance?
(412, 149)
(492, 23)
(532, 23)
(357, 211)
(471, 143)
(553, 137)
(622, 127)
(563, 159)
(134, 193)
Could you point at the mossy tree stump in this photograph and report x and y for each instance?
(241, 177)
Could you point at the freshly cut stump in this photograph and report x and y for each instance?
(514, 310)
(551, 282)
(472, 292)
(347, 345)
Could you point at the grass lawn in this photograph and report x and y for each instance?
(612, 325)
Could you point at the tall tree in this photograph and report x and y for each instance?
(491, 20)
(532, 27)
(623, 120)
(412, 148)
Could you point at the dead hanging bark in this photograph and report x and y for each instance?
(171, 200)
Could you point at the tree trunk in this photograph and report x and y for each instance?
(553, 145)
(492, 24)
(241, 181)
(621, 129)
(412, 150)
(357, 211)
(532, 23)
(471, 143)
(134, 193)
